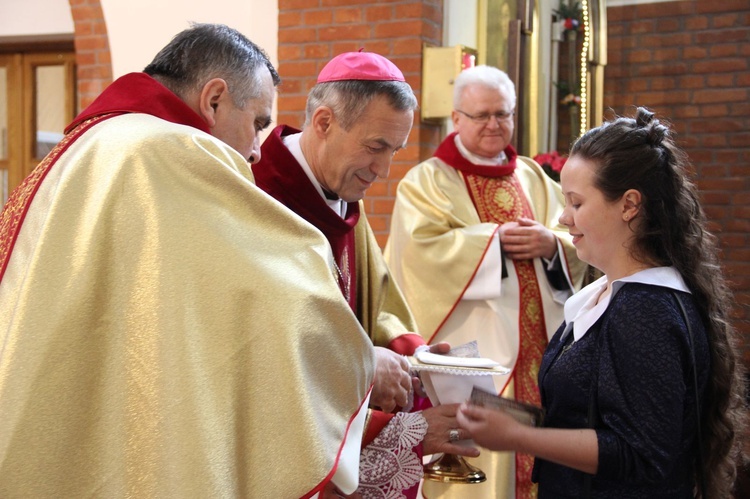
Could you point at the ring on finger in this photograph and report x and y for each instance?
(453, 435)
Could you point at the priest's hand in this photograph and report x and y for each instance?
(441, 425)
(527, 239)
(440, 348)
(392, 380)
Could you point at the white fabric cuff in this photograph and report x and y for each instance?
(486, 282)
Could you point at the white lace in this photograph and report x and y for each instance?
(389, 465)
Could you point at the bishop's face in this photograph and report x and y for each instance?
(351, 160)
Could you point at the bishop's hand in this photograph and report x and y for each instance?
(392, 380)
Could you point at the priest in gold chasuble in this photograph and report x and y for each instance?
(166, 328)
(476, 247)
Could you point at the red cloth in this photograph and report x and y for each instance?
(139, 93)
(406, 344)
(448, 152)
(280, 175)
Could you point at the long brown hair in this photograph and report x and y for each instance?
(640, 153)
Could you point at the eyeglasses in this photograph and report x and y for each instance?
(484, 118)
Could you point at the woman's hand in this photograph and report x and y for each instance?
(490, 428)
(440, 421)
(497, 430)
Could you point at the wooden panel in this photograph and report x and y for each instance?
(526, 15)
(30, 64)
(514, 72)
(21, 87)
(37, 43)
(13, 65)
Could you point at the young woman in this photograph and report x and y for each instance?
(643, 398)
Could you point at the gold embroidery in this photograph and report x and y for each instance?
(343, 275)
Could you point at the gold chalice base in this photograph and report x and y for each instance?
(454, 469)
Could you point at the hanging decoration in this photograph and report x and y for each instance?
(574, 20)
(585, 66)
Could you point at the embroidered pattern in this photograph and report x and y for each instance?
(344, 275)
(500, 200)
(389, 465)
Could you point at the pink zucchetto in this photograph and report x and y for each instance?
(360, 66)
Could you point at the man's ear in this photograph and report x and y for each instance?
(215, 93)
(454, 119)
(321, 121)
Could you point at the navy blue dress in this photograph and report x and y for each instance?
(639, 352)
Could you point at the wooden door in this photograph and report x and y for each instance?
(37, 101)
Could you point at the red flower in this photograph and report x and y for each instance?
(571, 23)
(552, 163)
(571, 100)
(557, 162)
(543, 158)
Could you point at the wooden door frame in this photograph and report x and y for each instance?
(31, 61)
(21, 57)
(14, 162)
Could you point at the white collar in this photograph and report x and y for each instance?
(500, 159)
(582, 311)
(292, 142)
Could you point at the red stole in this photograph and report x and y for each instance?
(280, 175)
(498, 198)
(134, 92)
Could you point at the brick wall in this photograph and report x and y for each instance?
(311, 32)
(93, 60)
(689, 62)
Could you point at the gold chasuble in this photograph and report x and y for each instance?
(444, 253)
(499, 200)
(167, 330)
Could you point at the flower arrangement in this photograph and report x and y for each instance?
(570, 14)
(571, 100)
(552, 163)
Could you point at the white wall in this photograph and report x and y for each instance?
(138, 29)
(460, 19)
(35, 17)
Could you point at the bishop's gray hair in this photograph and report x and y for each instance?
(349, 98)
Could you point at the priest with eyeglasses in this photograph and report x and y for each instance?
(477, 249)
